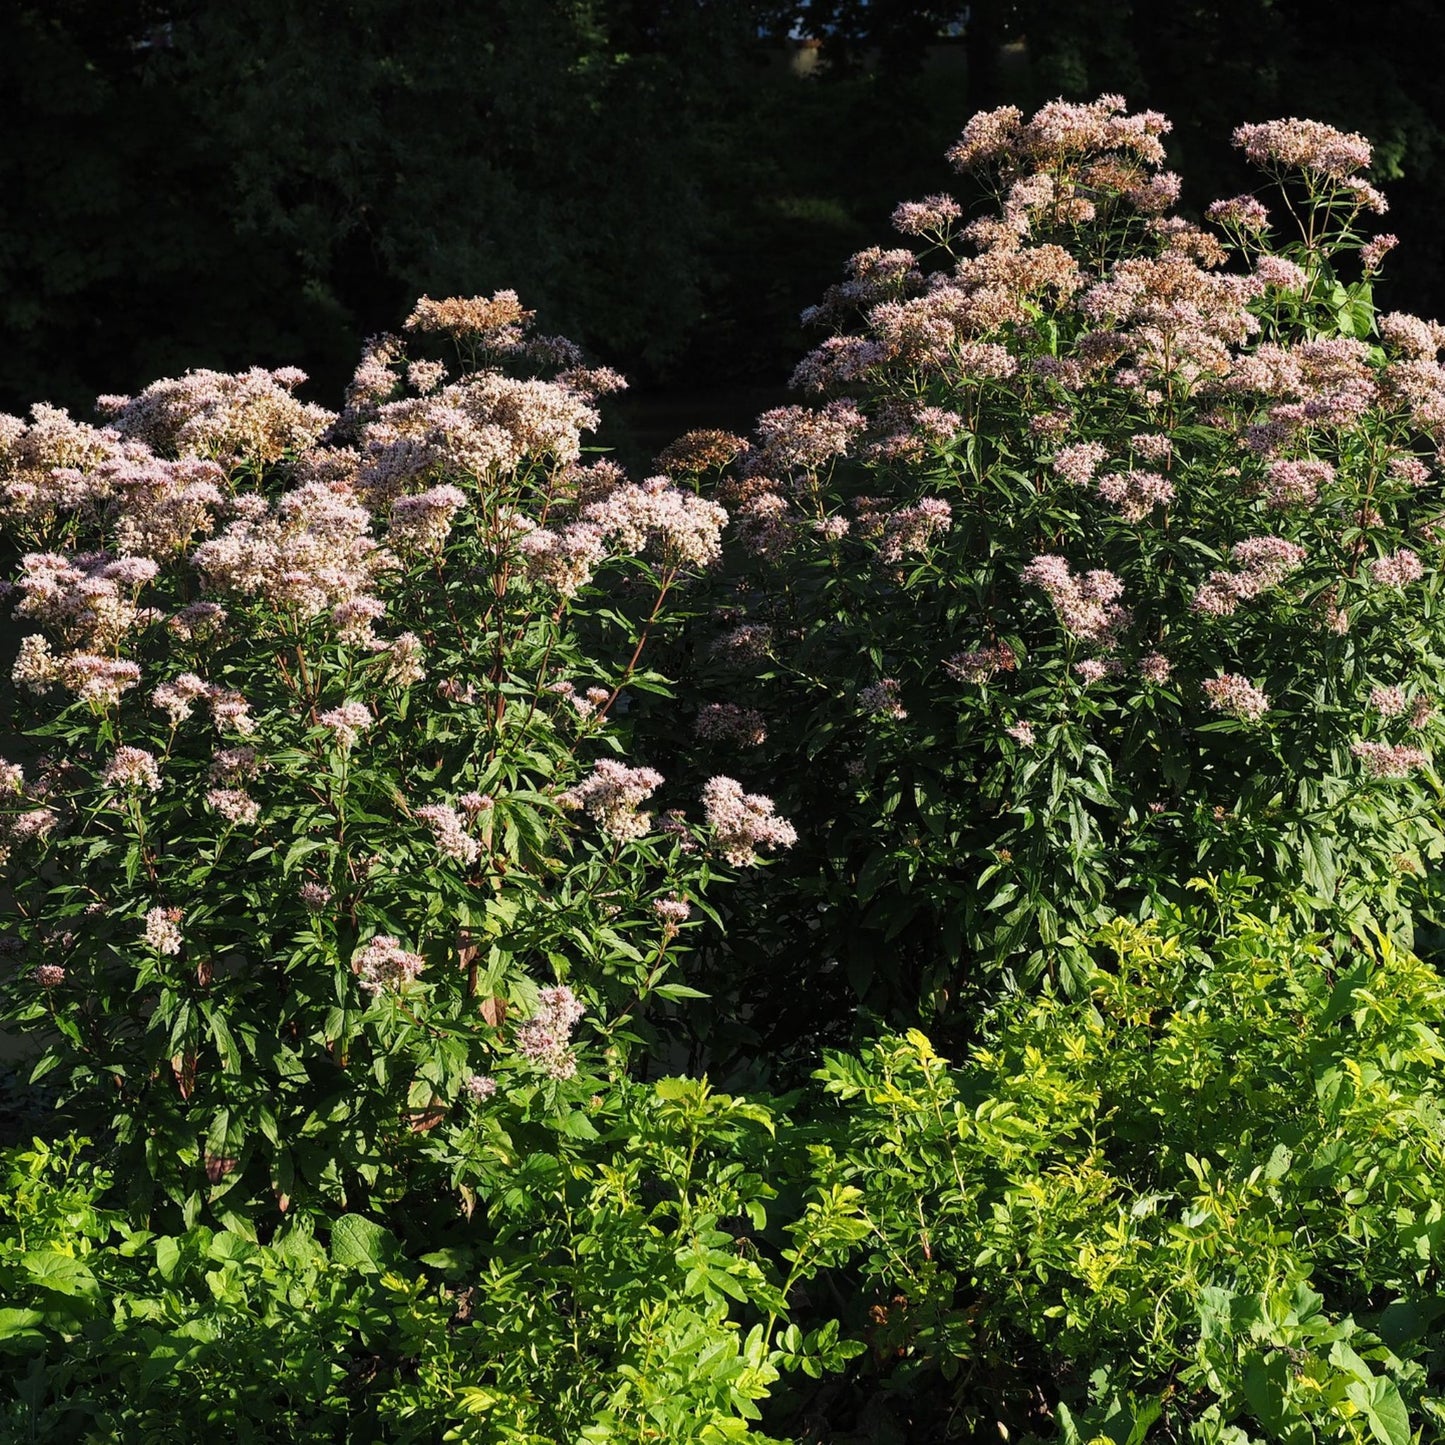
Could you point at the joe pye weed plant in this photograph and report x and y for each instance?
(330, 860)
(1107, 558)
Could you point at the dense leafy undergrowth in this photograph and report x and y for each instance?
(433, 1059)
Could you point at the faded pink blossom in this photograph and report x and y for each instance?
(177, 698)
(673, 912)
(1373, 252)
(382, 963)
(347, 722)
(911, 529)
(1155, 667)
(162, 931)
(932, 216)
(1078, 463)
(1136, 493)
(726, 721)
(682, 529)
(881, 699)
(449, 829)
(611, 794)
(132, 769)
(1307, 145)
(235, 805)
(1397, 569)
(1388, 701)
(1086, 606)
(1094, 669)
(1297, 483)
(1283, 275)
(1236, 695)
(1383, 760)
(545, 1038)
(743, 822)
(1242, 212)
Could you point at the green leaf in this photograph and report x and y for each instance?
(60, 1272)
(1381, 1404)
(360, 1243)
(17, 1326)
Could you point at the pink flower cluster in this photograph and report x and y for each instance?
(1306, 145)
(611, 795)
(881, 699)
(912, 529)
(1384, 760)
(743, 822)
(673, 912)
(1261, 562)
(162, 930)
(563, 559)
(1244, 213)
(95, 679)
(131, 770)
(382, 963)
(449, 829)
(1060, 130)
(545, 1039)
(1086, 606)
(347, 722)
(932, 216)
(1297, 483)
(726, 721)
(250, 416)
(229, 710)
(1374, 251)
(1388, 701)
(422, 521)
(311, 551)
(1397, 569)
(1135, 493)
(677, 526)
(1237, 696)
(235, 805)
(797, 438)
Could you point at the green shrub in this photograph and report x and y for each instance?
(618, 1289)
(1207, 1197)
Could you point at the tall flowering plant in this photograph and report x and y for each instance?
(1107, 556)
(329, 868)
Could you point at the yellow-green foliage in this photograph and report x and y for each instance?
(1210, 1197)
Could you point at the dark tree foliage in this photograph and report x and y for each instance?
(190, 183)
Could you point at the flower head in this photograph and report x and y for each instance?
(132, 769)
(347, 722)
(162, 931)
(1237, 696)
(743, 822)
(382, 963)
